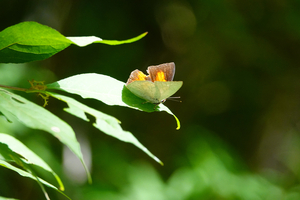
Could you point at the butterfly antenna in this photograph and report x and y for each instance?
(174, 99)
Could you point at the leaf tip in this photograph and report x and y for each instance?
(62, 188)
(159, 161)
(177, 121)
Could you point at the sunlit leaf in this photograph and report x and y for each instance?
(29, 156)
(31, 41)
(86, 40)
(16, 107)
(104, 122)
(106, 89)
(26, 174)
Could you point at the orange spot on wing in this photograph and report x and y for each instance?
(160, 76)
(141, 76)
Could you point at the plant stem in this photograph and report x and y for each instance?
(14, 88)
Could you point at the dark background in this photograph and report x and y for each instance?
(239, 62)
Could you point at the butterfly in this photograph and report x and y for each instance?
(155, 87)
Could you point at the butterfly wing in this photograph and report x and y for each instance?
(137, 75)
(163, 72)
(157, 86)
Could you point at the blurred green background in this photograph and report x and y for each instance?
(240, 119)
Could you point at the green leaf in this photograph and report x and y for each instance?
(84, 41)
(6, 152)
(26, 174)
(108, 90)
(30, 41)
(30, 157)
(104, 122)
(16, 107)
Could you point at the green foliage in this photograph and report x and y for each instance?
(210, 171)
(104, 122)
(239, 61)
(28, 175)
(84, 41)
(13, 150)
(30, 41)
(15, 107)
(27, 155)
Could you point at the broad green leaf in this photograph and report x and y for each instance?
(29, 156)
(108, 90)
(16, 107)
(84, 41)
(26, 174)
(104, 122)
(30, 41)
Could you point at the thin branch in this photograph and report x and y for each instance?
(14, 88)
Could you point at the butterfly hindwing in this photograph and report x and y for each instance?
(145, 90)
(167, 89)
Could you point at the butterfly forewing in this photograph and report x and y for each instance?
(167, 70)
(137, 75)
